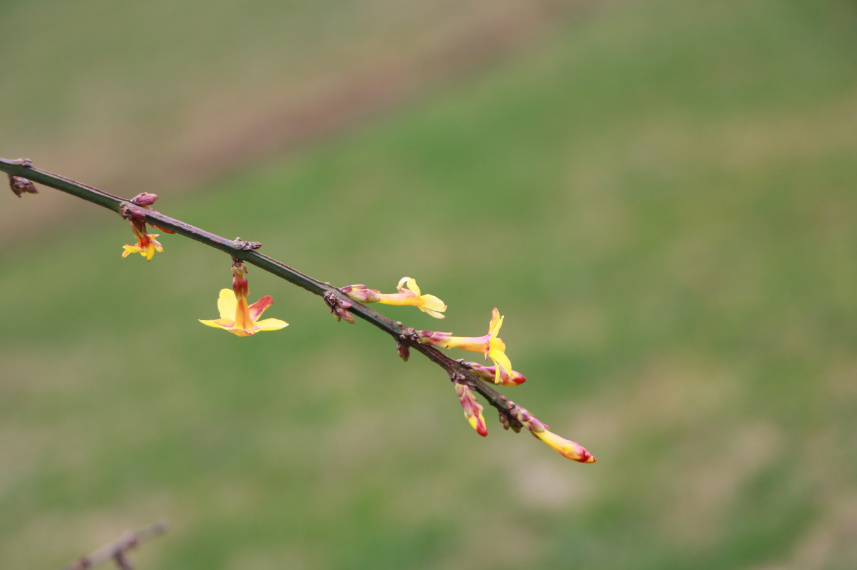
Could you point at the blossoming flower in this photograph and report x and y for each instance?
(146, 245)
(409, 294)
(489, 345)
(235, 315)
(472, 408)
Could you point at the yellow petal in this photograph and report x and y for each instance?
(432, 303)
(270, 325)
(402, 282)
(412, 285)
(227, 304)
(500, 359)
(434, 314)
(496, 323)
(219, 323)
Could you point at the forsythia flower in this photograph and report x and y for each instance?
(489, 345)
(235, 315)
(565, 447)
(472, 408)
(409, 294)
(146, 243)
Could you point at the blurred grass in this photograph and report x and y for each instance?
(660, 199)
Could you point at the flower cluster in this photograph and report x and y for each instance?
(489, 344)
(241, 319)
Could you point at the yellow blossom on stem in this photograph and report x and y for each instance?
(146, 244)
(409, 294)
(235, 315)
(489, 345)
(472, 408)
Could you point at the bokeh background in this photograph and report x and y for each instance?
(659, 195)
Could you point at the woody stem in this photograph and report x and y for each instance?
(236, 249)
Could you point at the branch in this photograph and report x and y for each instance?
(118, 549)
(510, 414)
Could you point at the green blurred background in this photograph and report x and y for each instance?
(659, 195)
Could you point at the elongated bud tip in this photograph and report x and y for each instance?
(566, 448)
(478, 424)
(512, 379)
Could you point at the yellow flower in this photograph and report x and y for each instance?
(489, 345)
(235, 315)
(243, 320)
(146, 243)
(409, 294)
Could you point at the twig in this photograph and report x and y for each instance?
(239, 249)
(118, 549)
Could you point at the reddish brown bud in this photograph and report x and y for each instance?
(509, 422)
(21, 186)
(144, 199)
(338, 307)
(404, 351)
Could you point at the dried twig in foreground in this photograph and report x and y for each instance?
(118, 549)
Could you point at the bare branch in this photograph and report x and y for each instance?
(339, 303)
(118, 549)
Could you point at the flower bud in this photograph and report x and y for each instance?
(144, 199)
(489, 374)
(362, 294)
(21, 186)
(434, 338)
(404, 351)
(566, 448)
(472, 408)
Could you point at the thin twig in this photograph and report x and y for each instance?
(118, 549)
(238, 249)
